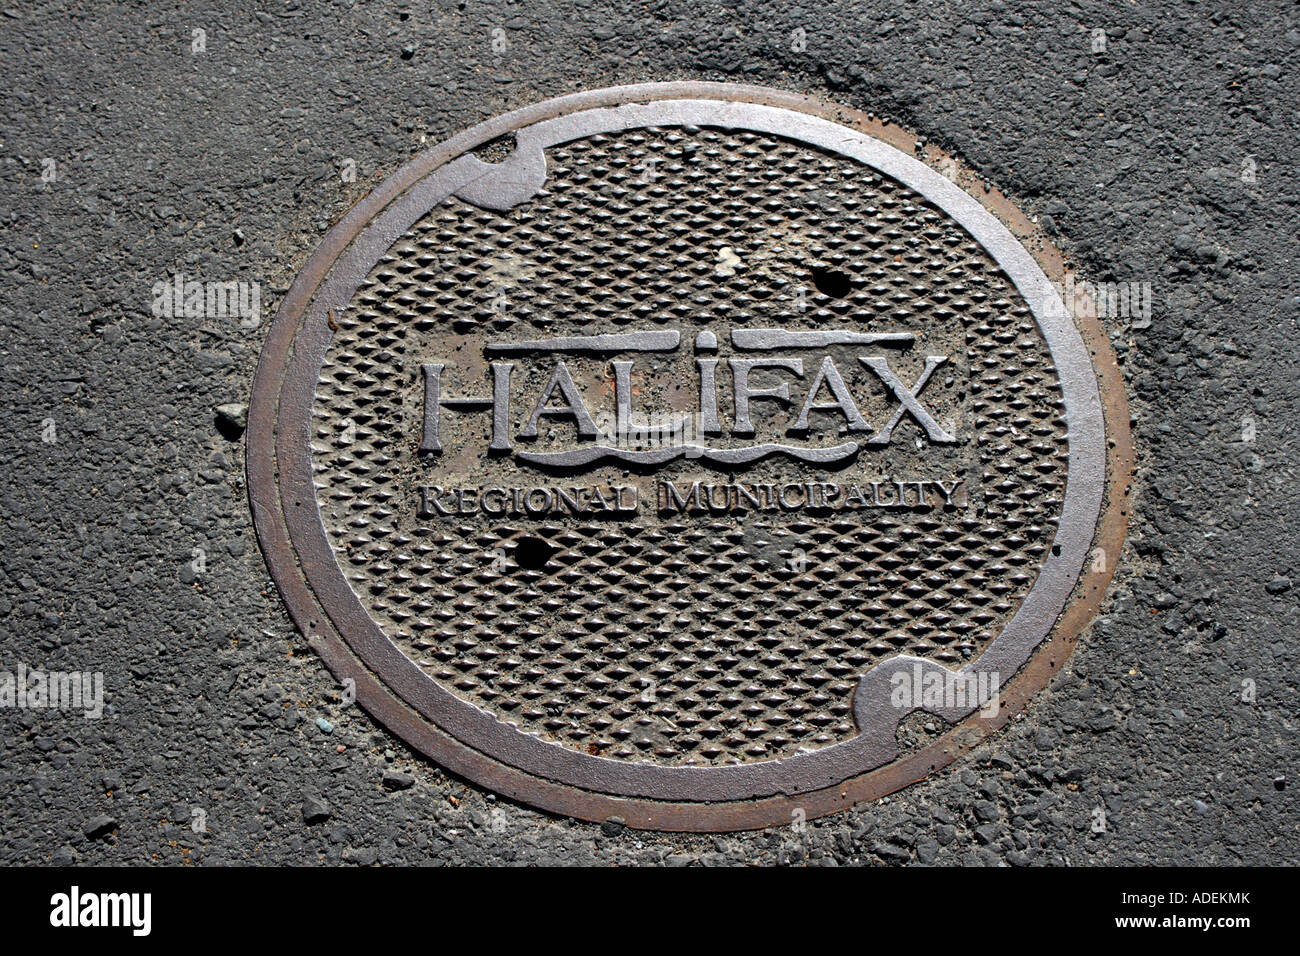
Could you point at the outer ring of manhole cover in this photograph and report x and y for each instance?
(688, 783)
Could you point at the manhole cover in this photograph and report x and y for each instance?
(689, 454)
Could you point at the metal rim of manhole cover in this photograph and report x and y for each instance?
(705, 457)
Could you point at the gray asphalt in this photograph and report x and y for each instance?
(1168, 158)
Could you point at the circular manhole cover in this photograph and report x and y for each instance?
(688, 454)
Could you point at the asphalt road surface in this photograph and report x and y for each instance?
(1156, 142)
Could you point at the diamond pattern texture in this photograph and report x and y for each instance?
(670, 638)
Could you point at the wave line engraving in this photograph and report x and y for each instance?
(577, 457)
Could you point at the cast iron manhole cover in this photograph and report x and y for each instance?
(689, 454)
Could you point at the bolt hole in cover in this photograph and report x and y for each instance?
(691, 454)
